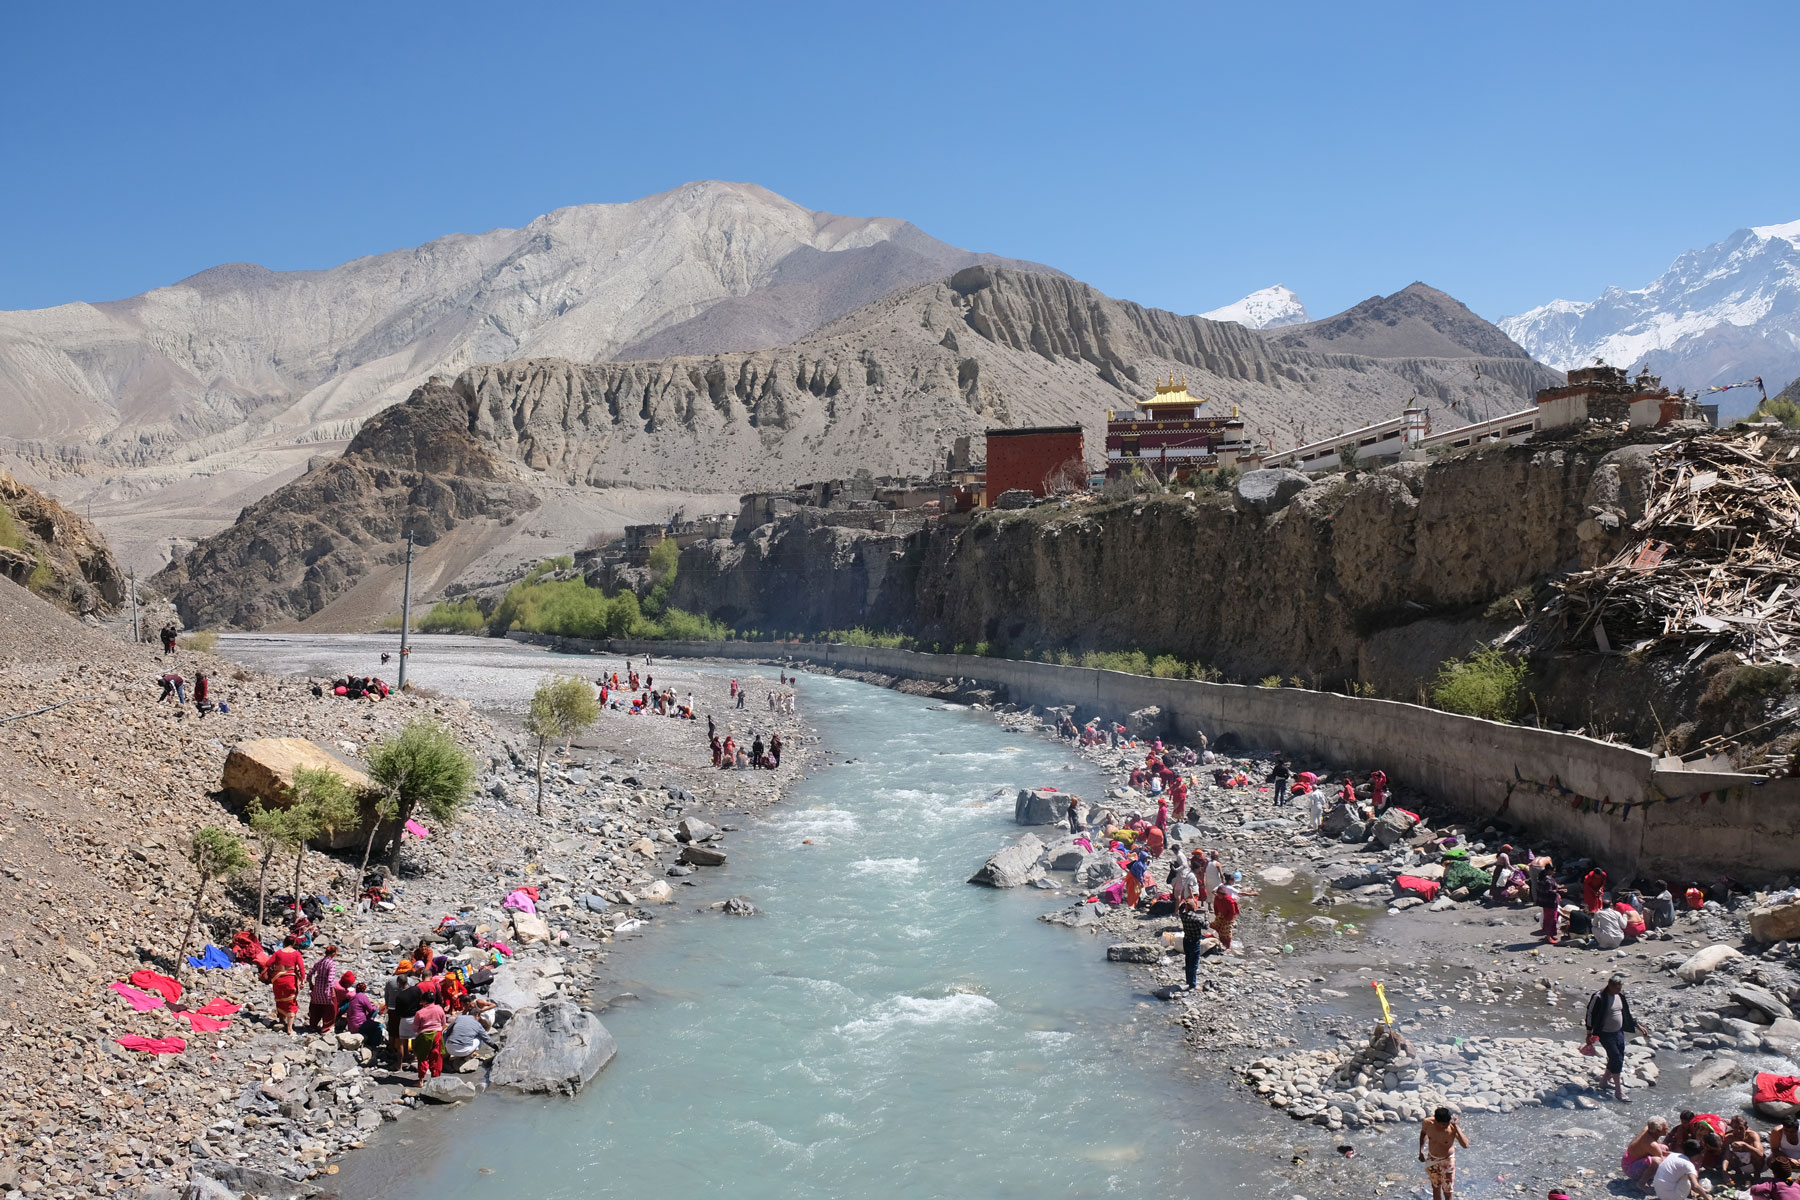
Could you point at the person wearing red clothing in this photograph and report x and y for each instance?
(1593, 890)
(1225, 912)
(285, 972)
(428, 1039)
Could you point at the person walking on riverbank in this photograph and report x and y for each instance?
(1193, 931)
(1074, 815)
(321, 1005)
(775, 751)
(286, 969)
(1609, 1019)
(1279, 776)
(1439, 1136)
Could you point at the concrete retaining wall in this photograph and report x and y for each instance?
(1558, 785)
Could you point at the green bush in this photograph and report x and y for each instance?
(570, 608)
(454, 616)
(1167, 666)
(1269, 681)
(1488, 683)
(1781, 409)
(10, 535)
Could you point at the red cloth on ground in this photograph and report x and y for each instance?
(1426, 889)
(218, 1008)
(162, 985)
(1780, 1089)
(150, 1045)
(201, 1022)
(141, 1001)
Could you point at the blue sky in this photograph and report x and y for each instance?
(1175, 154)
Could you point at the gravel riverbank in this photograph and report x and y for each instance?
(101, 795)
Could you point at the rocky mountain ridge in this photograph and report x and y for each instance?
(888, 387)
(56, 553)
(1717, 315)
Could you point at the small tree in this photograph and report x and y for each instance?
(279, 833)
(387, 807)
(421, 767)
(1347, 456)
(322, 804)
(562, 707)
(216, 854)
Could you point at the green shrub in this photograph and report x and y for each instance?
(10, 534)
(1269, 681)
(454, 616)
(1167, 666)
(1488, 683)
(1781, 409)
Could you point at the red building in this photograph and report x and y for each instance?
(1034, 460)
(1167, 436)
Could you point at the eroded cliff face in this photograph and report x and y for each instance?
(415, 467)
(1370, 579)
(56, 553)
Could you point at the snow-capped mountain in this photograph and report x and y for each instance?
(1718, 315)
(1269, 308)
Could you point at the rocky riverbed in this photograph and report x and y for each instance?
(1489, 1017)
(101, 794)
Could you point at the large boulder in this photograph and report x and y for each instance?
(519, 985)
(1064, 854)
(701, 856)
(529, 928)
(1134, 952)
(556, 1047)
(1702, 963)
(1097, 870)
(1341, 819)
(1716, 1072)
(1146, 723)
(448, 1089)
(1391, 827)
(263, 771)
(1776, 922)
(1041, 806)
(1269, 491)
(1014, 866)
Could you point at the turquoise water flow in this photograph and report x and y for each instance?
(882, 1029)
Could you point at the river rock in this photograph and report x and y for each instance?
(593, 903)
(556, 1047)
(1351, 880)
(1776, 922)
(448, 1089)
(1134, 952)
(657, 891)
(1076, 916)
(1276, 876)
(1146, 723)
(1715, 1072)
(702, 856)
(1269, 491)
(529, 928)
(1760, 999)
(1323, 924)
(1181, 831)
(692, 830)
(1097, 870)
(1338, 820)
(1703, 963)
(1064, 854)
(1014, 866)
(737, 906)
(1391, 827)
(521, 984)
(1041, 806)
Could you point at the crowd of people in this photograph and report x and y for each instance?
(1702, 1151)
(429, 1012)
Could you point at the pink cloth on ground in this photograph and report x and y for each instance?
(162, 985)
(218, 1008)
(416, 829)
(150, 1045)
(141, 1001)
(201, 1022)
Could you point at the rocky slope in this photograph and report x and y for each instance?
(299, 550)
(56, 553)
(1717, 315)
(887, 387)
(243, 371)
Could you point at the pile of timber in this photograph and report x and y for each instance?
(1715, 560)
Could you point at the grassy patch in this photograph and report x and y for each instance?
(454, 616)
(11, 536)
(203, 641)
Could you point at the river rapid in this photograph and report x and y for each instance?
(881, 1029)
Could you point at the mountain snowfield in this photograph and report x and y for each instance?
(1718, 315)
(1269, 308)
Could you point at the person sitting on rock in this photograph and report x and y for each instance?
(1646, 1152)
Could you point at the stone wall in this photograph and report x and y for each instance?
(1701, 825)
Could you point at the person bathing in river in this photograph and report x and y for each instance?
(1646, 1152)
(1439, 1136)
(1743, 1152)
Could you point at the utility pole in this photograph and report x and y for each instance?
(406, 611)
(134, 612)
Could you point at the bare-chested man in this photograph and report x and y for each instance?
(1438, 1139)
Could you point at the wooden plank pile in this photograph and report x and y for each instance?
(1714, 560)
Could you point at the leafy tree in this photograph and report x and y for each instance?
(562, 707)
(1779, 408)
(280, 833)
(387, 808)
(421, 768)
(216, 854)
(322, 804)
(665, 560)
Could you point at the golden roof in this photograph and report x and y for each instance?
(1171, 393)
